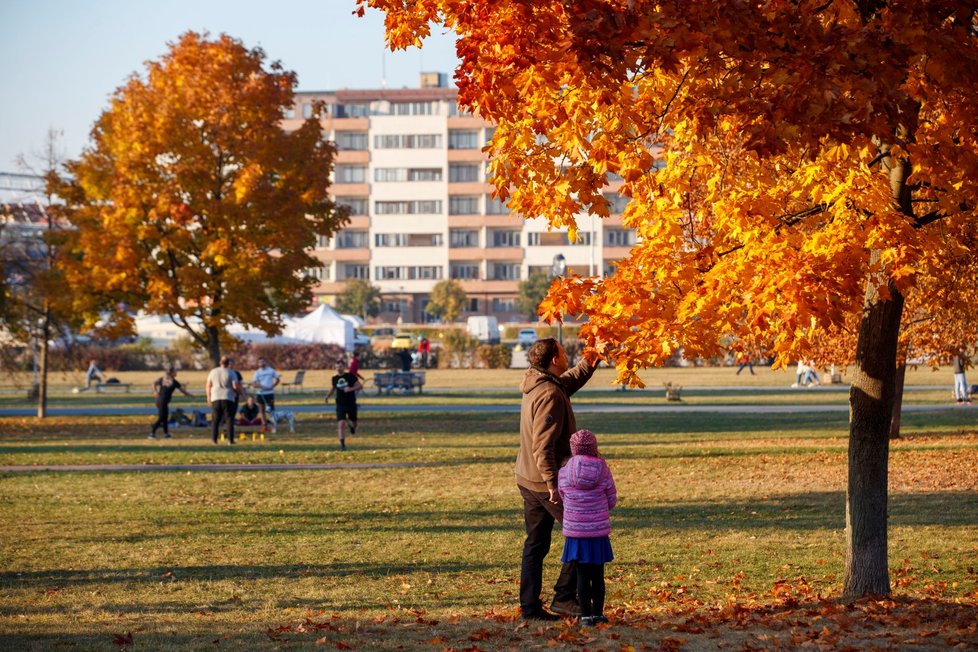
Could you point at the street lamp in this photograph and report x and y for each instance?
(557, 270)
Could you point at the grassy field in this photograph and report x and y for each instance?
(730, 533)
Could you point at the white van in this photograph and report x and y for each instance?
(484, 328)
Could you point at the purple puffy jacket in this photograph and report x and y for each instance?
(588, 493)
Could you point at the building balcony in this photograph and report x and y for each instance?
(484, 220)
(349, 156)
(615, 253)
(359, 255)
(490, 287)
(346, 124)
(467, 122)
(466, 253)
(509, 254)
(350, 189)
(467, 156)
(469, 188)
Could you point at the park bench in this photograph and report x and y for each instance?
(300, 376)
(101, 387)
(402, 381)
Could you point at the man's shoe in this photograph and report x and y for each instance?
(599, 619)
(565, 607)
(353, 428)
(151, 436)
(539, 615)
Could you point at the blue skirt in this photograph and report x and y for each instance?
(593, 550)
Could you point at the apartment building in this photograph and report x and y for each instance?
(410, 167)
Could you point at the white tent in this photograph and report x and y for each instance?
(321, 325)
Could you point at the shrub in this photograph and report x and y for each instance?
(494, 356)
(289, 356)
(457, 349)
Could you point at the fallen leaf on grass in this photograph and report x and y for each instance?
(122, 639)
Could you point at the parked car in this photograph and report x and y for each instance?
(382, 333)
(359, 340)
(526, 337)
(403, 341)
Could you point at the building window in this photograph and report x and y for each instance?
(463, 205)
(463, 172)
(407, 141)
(465, 271)
(504, 271)
(307, 111)
(468, 139)
(318, 273)
(357, 110)
(390, 239)
(382, 175)
(463, 238)
(351, 270)
(414, 108)
(490, 132)
(619, 237)
(419, 207)
(403, 273)
(351, 173)
(616, 203)
(425, 240)
(556, 239)
(455, 110)
(357, 205)
(290, 113)
(357, 141)
(503, 305)
(496, 206)
(501, 238)
(352, 240)
(322, 242)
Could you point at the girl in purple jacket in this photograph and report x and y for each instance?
(588, 493)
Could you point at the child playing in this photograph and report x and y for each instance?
(588, 493)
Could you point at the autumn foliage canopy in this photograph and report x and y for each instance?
(779, 127)
(193, 202)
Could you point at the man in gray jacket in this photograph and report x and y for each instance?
(546, 423)
(222, 393)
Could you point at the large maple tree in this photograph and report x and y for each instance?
(193, 202)
(792, 166)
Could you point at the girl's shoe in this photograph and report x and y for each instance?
(586, 621)
(599, 619)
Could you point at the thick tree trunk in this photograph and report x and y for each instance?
(901, 376)
(213, 346)
(42, 370)
(870, 411)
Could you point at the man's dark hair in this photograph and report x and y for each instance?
(542, 352)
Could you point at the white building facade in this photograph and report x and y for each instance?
(411, 169)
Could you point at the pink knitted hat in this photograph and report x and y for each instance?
(583, 442)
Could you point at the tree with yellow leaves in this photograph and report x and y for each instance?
(819, 161)
(193, 202)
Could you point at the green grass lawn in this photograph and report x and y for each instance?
(729, 532)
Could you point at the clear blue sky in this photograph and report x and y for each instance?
(60, 60)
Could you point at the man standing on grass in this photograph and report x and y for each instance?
(546, 423)
(222, 393)
(345, 386)
(265, 380)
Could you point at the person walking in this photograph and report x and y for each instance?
(345, 386)
(961, 394)
(266, 379)
(163, 389)
(92, 374)
(424, 349)
(587, 490)
(222, 391)
(745, 361)
(546, 424)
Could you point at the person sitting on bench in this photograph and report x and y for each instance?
(249, 414)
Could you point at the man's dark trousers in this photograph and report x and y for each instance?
(539, 515)
(221, 411)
